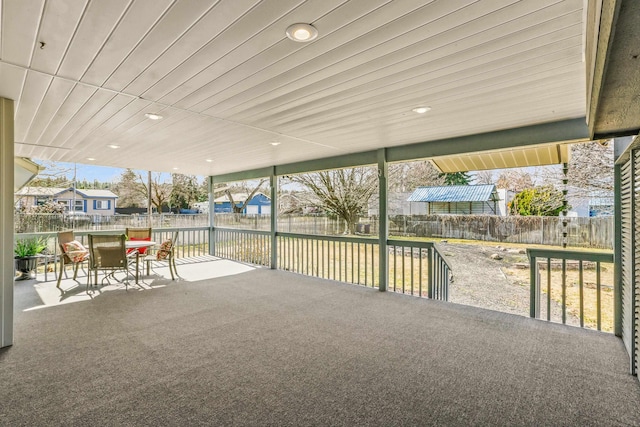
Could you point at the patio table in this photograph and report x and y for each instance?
(138, 244)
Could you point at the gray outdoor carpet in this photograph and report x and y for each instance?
(270, 348)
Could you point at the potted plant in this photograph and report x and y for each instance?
(26, 255)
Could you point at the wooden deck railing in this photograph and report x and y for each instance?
(567, 287)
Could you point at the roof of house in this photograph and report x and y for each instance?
(601, 201)
(39, 191)
(53, 191)
(454, 193)
(97, 193)
(237, 197)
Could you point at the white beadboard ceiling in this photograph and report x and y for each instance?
(228, 82)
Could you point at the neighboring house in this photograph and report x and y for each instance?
(35, 196)
(259, 204)
(455, 199)
(601, 206)
(93, 202)
(598, 205)
(201, 207)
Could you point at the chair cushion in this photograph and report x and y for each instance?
(165, 249)
(141, 251)
(75, 251)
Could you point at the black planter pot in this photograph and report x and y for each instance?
(26, 267)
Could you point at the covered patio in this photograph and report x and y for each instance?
(255, 346)
(221, 89)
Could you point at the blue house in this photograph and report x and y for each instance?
(259, 204)
(93, 202)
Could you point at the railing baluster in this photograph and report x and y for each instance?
(373, 270)
(564, 291)
(358, 263)
(598, 301)
(306, 257)
(549, 289)
(411, 271)
(323, 269)
(581, 283)
(395, 267)
(404, 261)
(339, 261)
(365, 263)
(430, 273)
(420, 273)
(352, 273)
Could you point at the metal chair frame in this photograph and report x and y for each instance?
(171, 257)
(63, 238)
(108, 253)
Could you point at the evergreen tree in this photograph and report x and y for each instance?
(185, 191)
(456, 178)
(130, 193)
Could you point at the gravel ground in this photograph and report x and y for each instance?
(480, 281)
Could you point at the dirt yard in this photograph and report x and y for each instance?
(503, 285)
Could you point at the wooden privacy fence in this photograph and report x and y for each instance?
(594, 232)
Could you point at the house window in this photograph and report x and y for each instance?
(102, 204)
(79, 206)
(41, 201)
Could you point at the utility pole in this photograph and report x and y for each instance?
(149, 209)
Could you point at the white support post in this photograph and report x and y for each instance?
(6, 222)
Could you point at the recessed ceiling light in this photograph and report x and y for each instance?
(302, 32)
(274, 143)
(114, 146)
(208, 160)
(175, 169)
(91, 159)
(153, 116)
(421, 110)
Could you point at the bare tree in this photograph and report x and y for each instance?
(591, 169)
(243, 188)
(589, 173)
(344, 193)
(484, 177)
(406, 176)
(160, 191)
(54, 174)
(515, 180)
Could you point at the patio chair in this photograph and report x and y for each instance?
(138, 234)
(72, 252)
(165, 253)
(108, 254)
